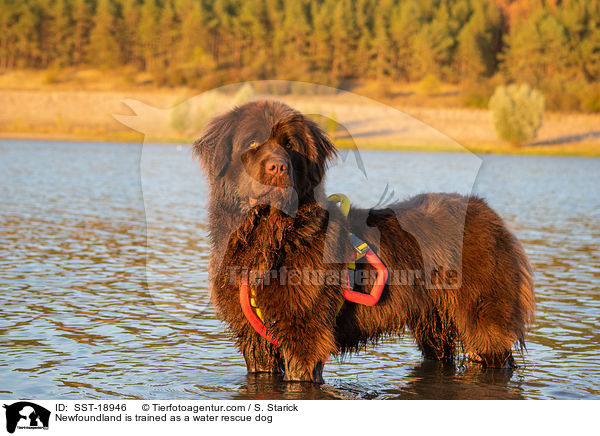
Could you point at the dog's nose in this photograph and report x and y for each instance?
(276, 167)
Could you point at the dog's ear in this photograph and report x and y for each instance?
(323, 146)
(214, 147)
(321, 149)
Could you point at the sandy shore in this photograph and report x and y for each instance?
(90, 115)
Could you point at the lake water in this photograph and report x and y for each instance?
(103, 277)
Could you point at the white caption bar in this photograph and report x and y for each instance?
(41, 418)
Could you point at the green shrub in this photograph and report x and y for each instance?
(244, 94)
(517, 112)
(590, 100)
(52, 76)
(180, 117)
(562, 101)
(430, 85)
(476, 93)
(380, 89)
(203, 108)
(330, 83)
(301, 88)
(129, 76)
(190, 115)
(561, 92)
(271, 87)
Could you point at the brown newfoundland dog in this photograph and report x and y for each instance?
(281, 253)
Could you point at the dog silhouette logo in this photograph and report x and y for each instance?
(26, 415)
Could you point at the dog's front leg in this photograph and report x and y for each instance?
(302, 370)
(305, 353)
(261, 356)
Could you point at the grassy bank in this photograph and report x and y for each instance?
(581, 149)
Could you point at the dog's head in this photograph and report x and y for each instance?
(264, 152)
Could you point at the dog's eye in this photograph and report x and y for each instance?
(253, 144)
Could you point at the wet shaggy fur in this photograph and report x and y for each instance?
(268, 225)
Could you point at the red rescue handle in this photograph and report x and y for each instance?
(356, 297)
(254, 321)
(382, 275)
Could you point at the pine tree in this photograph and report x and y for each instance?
(295, 29)
(588, 53)
(28, 36)
(8, 37)
(253, 25)
(342, 39)
(364, 29)
(192, 26)
(433, 46)
(131, 51)
(104, 49)
(404, 25)
(382, 43)
(225, 48)
(82, 23)
(46, 25)
(277, 35)
(169, 35)
(193, 52)
(61, 33)
(148, 32)
(479, 42)
(320, 38)
(537, 49)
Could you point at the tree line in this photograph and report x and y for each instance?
(551, 44)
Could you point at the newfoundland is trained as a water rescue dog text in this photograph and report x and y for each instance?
(288, 267)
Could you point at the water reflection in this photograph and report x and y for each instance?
(272, 387)
(447, 381)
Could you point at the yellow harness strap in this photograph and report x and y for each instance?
(344, 202)
(360, 246)
(254, 304)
